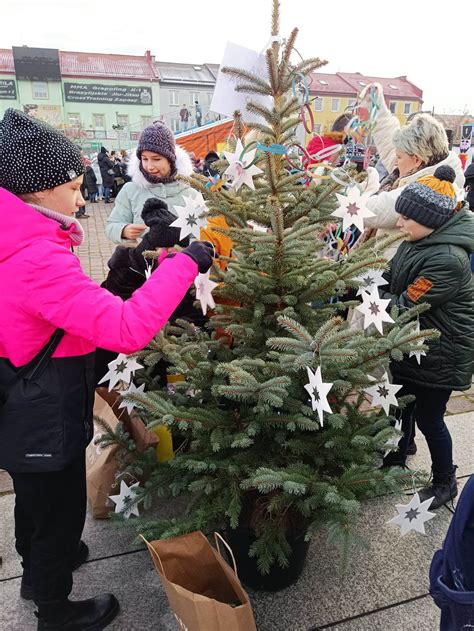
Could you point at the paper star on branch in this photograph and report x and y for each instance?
(132, 389)
(204, 288)
(121, 369)
(370, 279)
(318, 392)
(383, 393)
(238, 169)
(123, 499)
(190, 217)
(418, 353)
(392, 443)
(352, 209)
(412, 516)
(374, 309)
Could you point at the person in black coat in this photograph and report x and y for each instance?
(91, 182)
(106, 167)
(469, 185)
(128, 271)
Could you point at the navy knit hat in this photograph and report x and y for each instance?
(431, 200)
(158, 138)
(34, 156)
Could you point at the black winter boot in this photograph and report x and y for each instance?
(26, 588)
(93, 614)
(443, 488)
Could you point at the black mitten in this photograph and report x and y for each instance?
(201, 252)
(158, 218)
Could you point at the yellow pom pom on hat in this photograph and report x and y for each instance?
(431, 200)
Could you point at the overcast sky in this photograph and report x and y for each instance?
(431, 44)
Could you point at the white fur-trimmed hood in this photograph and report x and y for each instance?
(184, 167)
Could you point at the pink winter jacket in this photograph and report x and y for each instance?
(44, 288)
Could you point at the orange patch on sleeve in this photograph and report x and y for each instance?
(419, 288)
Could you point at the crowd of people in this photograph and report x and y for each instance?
(58, 317)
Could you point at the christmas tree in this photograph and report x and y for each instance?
(278, 433)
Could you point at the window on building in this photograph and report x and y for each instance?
(318, 104)
(174, 98)
(318, 128)
(40, 89)
(174, 123)
(195, 96)
(74, 120)
(322, 82)
(351, 103)
(145, 121)
(407, 109)
(393, 106)
(98, 120)
(362, 83)
(394, 87)
(100, 134)
(209, 97)
(335, 105)
(123, 120)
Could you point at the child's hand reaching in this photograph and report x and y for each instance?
(133, 231)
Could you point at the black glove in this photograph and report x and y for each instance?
(201, 252)
(158, 218)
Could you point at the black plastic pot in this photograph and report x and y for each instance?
(240, 541)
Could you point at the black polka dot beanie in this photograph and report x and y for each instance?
(34, 156)
(158, 138)
(431, 200)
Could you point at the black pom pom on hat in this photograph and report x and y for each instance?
(445, 173)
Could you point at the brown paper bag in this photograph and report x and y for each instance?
(204, 593)
(101, 463)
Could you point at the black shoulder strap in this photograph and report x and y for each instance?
(36, 364)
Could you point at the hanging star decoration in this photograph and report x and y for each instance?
(370, 279)
(121, 369)
(238, 168)
(352, 209)
(190, 217)
(418, 353)
(383, 393)
(204, 288)
(392, 443)
(318, 392)
(132, 389)
(374, 309)
(412, 516)
(123, 499)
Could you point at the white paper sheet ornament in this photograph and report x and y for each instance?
(383, 393)
(374, 309)
(418, 353)
(132, 389)
(204, 288)
(392, 443)
(370, 279)
(190, 217)
(237, 167)
(121, 500)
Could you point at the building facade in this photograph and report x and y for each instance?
(333, 94)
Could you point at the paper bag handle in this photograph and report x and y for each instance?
(217, 536)
(154, 553)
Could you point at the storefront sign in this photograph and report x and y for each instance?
(98, 93)
(7, 89)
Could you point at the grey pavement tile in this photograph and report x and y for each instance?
(131, 578)
(461, 427)
(419, 615)
(391, 570)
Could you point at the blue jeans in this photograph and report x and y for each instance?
(92, 197)
(105, 192)
(428, 411)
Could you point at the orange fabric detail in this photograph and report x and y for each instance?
(442, 187)
(222, 243)
(419, 288)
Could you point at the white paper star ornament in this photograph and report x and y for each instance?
(122, 500)
(370, 279)
(383, 393)
(238, 169)
(352, 208)
(132, 389)
(121, 369)
(418, 353)
(392, 443)
(374, 309)
(412, 516)
(318, 392)
(204, 288)
(190, 217)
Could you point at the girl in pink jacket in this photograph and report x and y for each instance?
(46, 403)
